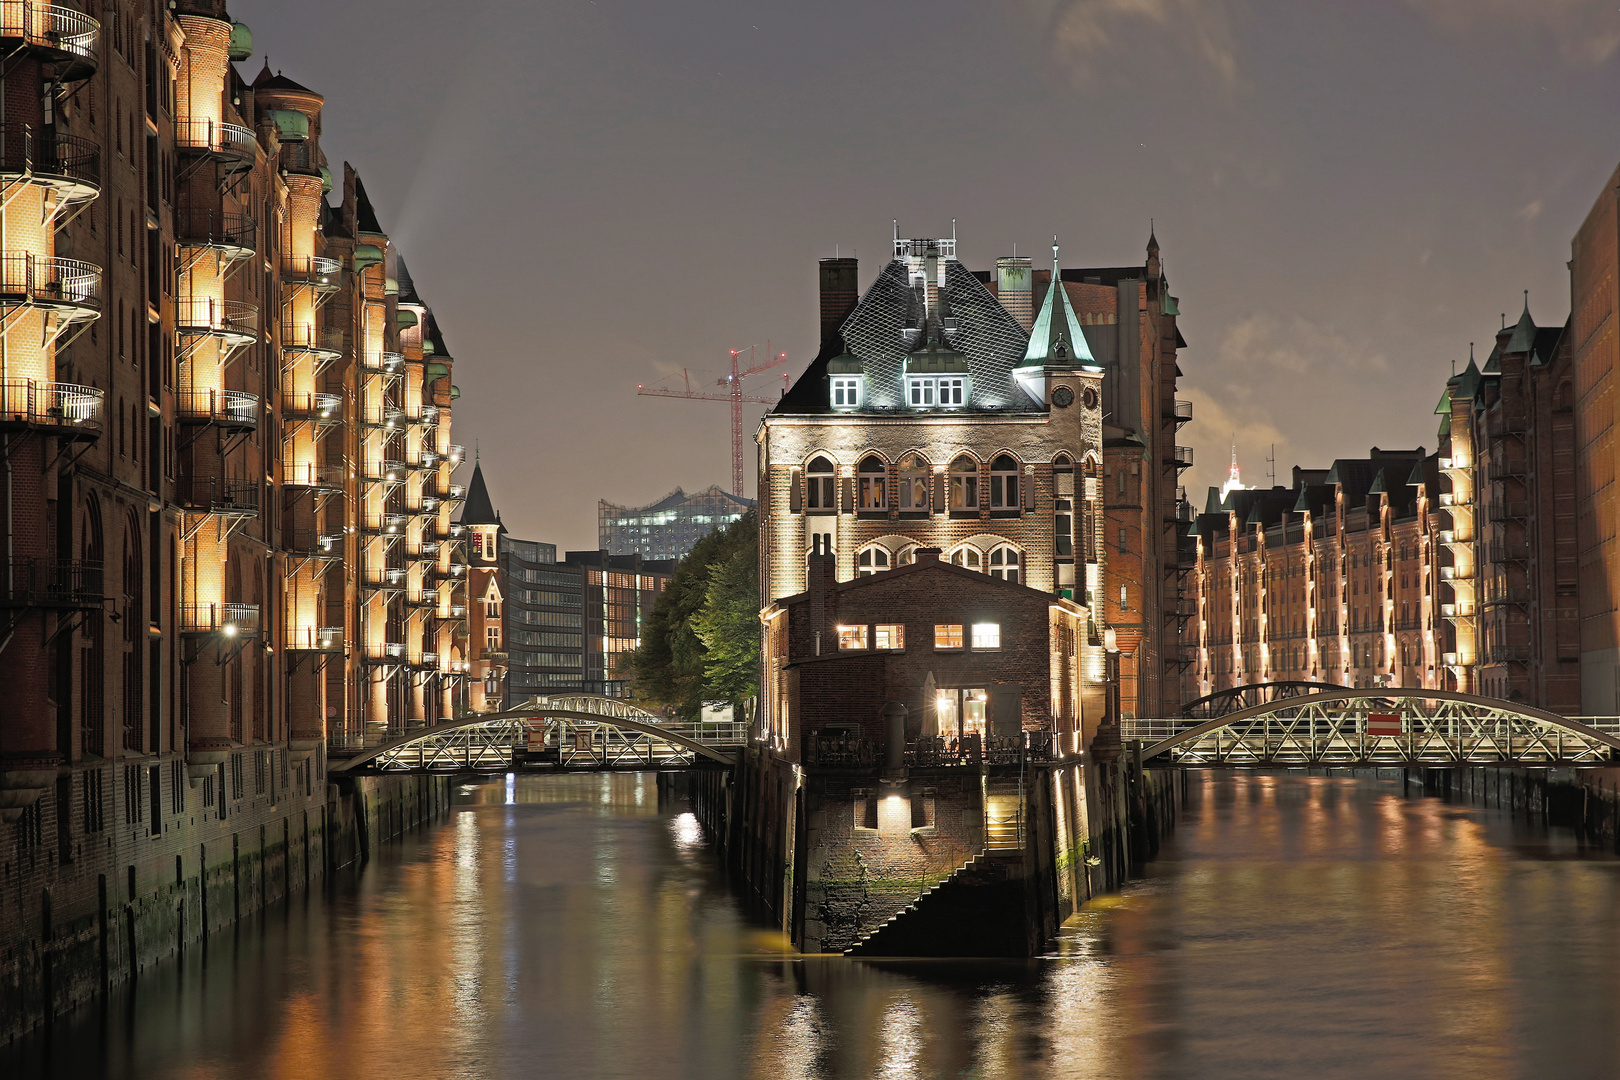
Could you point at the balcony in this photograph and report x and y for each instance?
(309, 544)
(232, 322)
(428, 661)
(456, 454)
(1507, 654)
(63, 409)
(66, 164)
(318, 477)
(1509, 551)
(323, 275)
(231, 410)
(218, 495)
(54, 33)
(423, 459)
(322, 639)
(318, 408)
(67, 287)
(1509, 510)
(1181, 457)
(455, 611)
(387, 363)
(327, 345)
(385, 417)
(1507, 469)
(383, 525)
(452, 531)
(385, 652)
(231, 145)
(232, 235)
(426, 598)
(66, 584)
(1179, 411)
(383, 577)
(451, 574)
(227, 620)
(385, 472)
(452, 492)
(424, 549)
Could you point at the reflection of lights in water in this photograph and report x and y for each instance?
(641, 791)
(686, 830)
(511, 789)
(900, 1033)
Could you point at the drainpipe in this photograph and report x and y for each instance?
(894, 743)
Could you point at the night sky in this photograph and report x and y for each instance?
(597, 193)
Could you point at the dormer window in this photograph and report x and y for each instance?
(930, 392)
(846, 392)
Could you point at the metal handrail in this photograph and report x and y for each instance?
(315, 638)
(317, 269)
(50, 404)
(50, 280)
(25, 152)
(315, 545)
(215, 228)
(218, 495)
(230, 619)
(385, 650)
(379, 471)
(384, 524)
(206, 315)
(215, 137)
(311, 338)
(319, 406)
(52, 26)
(218, 406)
(306, 474)
(26, 580)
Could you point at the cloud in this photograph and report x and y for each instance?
(1262, 345)
(1086, 32)
(1587, 32)
(1217, 425)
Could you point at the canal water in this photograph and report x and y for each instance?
(572, 927)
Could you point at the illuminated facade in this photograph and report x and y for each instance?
(953, 411)
(670, 527)
(227, 465)
(1333, 580)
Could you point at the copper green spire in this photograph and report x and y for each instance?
(1056, 339)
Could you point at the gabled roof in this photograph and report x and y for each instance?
(365, 218)
(478, 510)
(407, 287)
(279, 82)
(1524, 332)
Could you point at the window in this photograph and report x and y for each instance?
(846, 392)
(1123, 545)
(1124, 595)
(492, 609)
(873, 560)
(1004, 483)
(947, 635)
(922, 393)
(986, 635)
(960, 713)
(951, 391)
(964, 484)
(1120, 476)
(492, 638)
(926, 393)
(1004, 562)
(913, 483)
(819, 481)
(968, 557)
(874, 482)
(889, 636)
(852, 637)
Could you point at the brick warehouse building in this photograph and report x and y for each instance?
(225, 419)
(924, 421)
(963, 665)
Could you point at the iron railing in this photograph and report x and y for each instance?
(215, 137)
(204, 227)
(383, 524)
(218, 495)
(231, 620)
(323, 639)
(326, 477)
(50, 404)
(388, 362)
(1181, 456)
(38, 582)
(49, 281)
(316, 545)
(234, 408)
(385, 652)
(307, 337)
(222, 318)
(26, 152)
(323, 408)
(314, 270)
(59, 30)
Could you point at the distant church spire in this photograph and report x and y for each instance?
(1234, 477)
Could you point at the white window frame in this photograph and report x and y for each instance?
(847, 387)
(986, 636)
(921, 393)
(951, 392)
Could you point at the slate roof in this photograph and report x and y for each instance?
(407, 287)
(875, 335)
(478, 510)
(266, 81)
(365, 218)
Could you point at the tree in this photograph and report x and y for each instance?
(701, 642)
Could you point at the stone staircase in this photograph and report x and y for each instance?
(977, 911)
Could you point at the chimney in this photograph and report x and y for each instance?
(926, 555)
(823, 590)
(1014, 288)
(839, 295)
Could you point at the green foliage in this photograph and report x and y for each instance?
(701, 643)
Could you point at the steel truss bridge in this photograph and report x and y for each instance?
(572, 732)
(1330, 728)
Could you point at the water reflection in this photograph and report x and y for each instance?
(572, 927)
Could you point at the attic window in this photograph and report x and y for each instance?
(846, 392)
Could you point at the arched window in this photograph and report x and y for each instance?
(874, 477)
(968, 557)
(1004, 483)
(819, 482)
(92, 657)
(913, 483)
(131, 621)
(1004, 563)
(873, 559)
(906, 555)
(964, 484)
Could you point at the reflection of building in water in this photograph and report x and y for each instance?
(636, 793)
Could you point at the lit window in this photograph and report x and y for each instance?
(922, 393)
(968, 557)
(492, 638)
(889, 636)
(874, 483)
(947, 635)
(964, 484)
(873, 560)
(913, 483)
(986, 635)
(819, 484)
(1004, 563)
(1004, 483)
(951, 391)
(846, 392)
(852, 637)
(492, 609)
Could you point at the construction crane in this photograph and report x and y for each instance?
(734, 394)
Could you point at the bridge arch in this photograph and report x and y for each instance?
(1222, 702)
(490, 740)
(1438, 727)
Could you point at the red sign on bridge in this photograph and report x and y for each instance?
(1384, 725)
